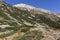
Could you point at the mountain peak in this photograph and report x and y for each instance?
(29, 7)
(23, 5)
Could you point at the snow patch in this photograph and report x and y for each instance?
(28, 7)
(3, 26)
(28, 23)
(23, 5)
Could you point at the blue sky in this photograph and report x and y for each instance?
(53, 5)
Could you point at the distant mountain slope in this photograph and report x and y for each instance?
(20, 19)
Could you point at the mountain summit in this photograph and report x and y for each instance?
(23, 5)
(29, 8)
(27, 23)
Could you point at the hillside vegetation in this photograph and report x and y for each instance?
(14, 20)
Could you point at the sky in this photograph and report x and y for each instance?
(52, 5)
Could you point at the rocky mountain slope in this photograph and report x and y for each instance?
(30, 22)
(38, 12)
